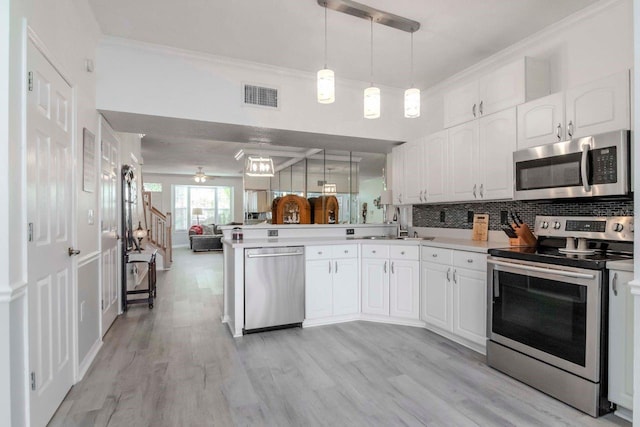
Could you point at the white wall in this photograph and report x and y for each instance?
(70, 34)
(161, 81)
(164, 203)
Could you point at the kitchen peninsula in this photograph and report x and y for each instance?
(372, 275)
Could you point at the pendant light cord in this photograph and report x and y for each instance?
(325, 35)
(371, 51)
(412, 83)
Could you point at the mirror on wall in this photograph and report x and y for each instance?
(355, 179)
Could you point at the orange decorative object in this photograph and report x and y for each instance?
(290, 209)
(325, 210)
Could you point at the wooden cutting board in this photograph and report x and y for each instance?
(480, 227)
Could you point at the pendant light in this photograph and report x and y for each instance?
(372, 93)
(412, 95)
(200, 176)
(326, 78)
(259, 166)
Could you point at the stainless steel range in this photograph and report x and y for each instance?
(548, 305)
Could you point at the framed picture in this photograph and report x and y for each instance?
(88, 161)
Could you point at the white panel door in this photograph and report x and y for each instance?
(541, 121)
(436, 294)
(318, 288)
(621, 339)
(470, 305)
(496, 144)
(49, 213)
(404, 289)
(463, 162)
(599, 106)
(434, 175)
(110, 295)
(461, 104)
(375, 286)
(412, 168)
(346, 287)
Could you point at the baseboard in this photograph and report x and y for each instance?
(624, 413)
(452, 337)
(309, 323)
(392, 320)
(88, 360)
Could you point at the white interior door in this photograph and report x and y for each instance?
(49, 214)
(110, 295)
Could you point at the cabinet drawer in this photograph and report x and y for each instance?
(345, 251)
(404, 252)
(470, 260)
(375, 251)
(318, 252)
(439, 255)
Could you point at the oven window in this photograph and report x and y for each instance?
(549, 172)
(548, 315)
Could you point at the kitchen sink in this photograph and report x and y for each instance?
(395, 238)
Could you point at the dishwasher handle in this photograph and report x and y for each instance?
(274, 255)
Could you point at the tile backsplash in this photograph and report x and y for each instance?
(457, 215)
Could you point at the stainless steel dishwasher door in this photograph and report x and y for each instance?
(273, 287)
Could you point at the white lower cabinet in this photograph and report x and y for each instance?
(453, 289)
(390, 281)
(621, 339)
(331, 281)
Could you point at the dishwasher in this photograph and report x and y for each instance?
(273, 288)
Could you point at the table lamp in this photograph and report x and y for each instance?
(386, 199)
(197, 212)
(139, 233)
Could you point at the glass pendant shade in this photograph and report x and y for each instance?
(259, 166)
(412, 103)
(372, 102)
(326, 86)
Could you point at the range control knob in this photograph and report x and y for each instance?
(556, 225)
(631, 227)
(544, 225)
(618, 227)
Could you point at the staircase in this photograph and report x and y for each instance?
(158, 226)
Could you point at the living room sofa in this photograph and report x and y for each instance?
(209, 240)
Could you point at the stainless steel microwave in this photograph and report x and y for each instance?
(592, 166)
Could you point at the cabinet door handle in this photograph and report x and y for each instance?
(336, 270)
(473, 110)
(474, 191)
(420, 195)
(392, 269)
(481, 102)
(482, 190)
(402, 253)
(425, 195)
(470, 260)
(454, 277)
(385, 266)
(559, 132)
(329, 267)
(434, 255)
(448, 274)
(570, 128)
(614, 284)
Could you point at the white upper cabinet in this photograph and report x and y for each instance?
(596, 107)
(413, 167)
(434, 172)
(599, 106)
(541, 121)
(506, 87)
(496, 142)
(463, 162)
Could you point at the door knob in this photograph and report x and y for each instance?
(73, 252)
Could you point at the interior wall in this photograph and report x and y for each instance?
(139, 78)
(181, 238)
(370, 189)
(70, 34)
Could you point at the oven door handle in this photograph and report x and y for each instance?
(544, 270)
(584, 167)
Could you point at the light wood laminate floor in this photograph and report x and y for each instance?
(177, 365)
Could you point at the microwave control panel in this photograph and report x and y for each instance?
(604, 165)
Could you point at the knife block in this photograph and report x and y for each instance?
(525, 236)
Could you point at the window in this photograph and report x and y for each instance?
(152, 187)
(215, 203)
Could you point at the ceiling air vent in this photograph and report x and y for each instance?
(262, 96)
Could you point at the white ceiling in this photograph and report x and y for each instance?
(454, 34)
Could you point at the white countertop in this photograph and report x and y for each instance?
(439, 242)
(623, 265)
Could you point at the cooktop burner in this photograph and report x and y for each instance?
(552, 255)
